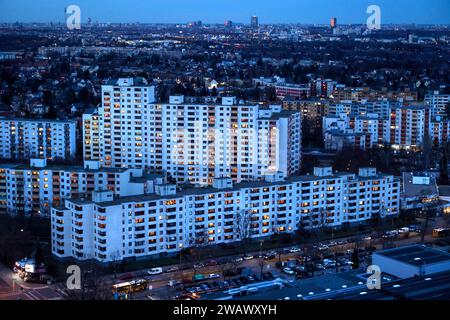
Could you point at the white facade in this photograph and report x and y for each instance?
(438, 103)
(34, 189)
(192, 142)
(404, 128)
(168, 221)
(37, 138)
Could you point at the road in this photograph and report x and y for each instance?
(12, 287)
(159, 289)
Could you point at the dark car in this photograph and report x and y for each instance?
(238, 282)
(127, 276)
(244, 280)
(257, 277)
(267, 276)
(269, 256)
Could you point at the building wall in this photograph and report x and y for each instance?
(34, 138)
(192, 142)
(156, 224)
(34, 190)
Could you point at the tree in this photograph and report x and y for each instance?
(51, 113)
(242, 228)
(47, 98)
(38, 254)
(355, 259)
(443, 167)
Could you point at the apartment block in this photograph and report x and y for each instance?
(37, 138)
(107, 228)
(34, 188)
(439, 104)
(191, 142)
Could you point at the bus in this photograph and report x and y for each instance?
(441, 232)
(130, 287)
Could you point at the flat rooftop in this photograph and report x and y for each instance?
(434, 287)
(310, 288)
(418, 190)
(192, 191)
(416, 255)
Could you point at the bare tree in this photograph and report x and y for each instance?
(115, 262)
(242, 228)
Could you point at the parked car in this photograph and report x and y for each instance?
(155, 271)
(127, 276)
(288, 271)
(294, 250)
(318, 266)
(248, 257)
(328, 263)
(213, 276)
(299, 269)
(174, 283)
(270, 256)
(323, 247)
(414, 228)
(244, 280)
(211, 263)
(344, 262)
(403, 230)
(267, 276)
(257, 277)
(172, 269)
(238, 260)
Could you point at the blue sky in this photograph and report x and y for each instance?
(217, 11)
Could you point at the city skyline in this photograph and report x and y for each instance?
(176, 11)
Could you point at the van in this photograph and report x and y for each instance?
(174, 283)
(155, 271)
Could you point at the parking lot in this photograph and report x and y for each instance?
(184, 281)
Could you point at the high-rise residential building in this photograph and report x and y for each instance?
(333, 22)
(295, 91)
(228, 23)
(22, 138)
(254, 22)
(111, 229)
(34, 188)
(408, 125)
(405, 127)
(439, 104)
(193, 142)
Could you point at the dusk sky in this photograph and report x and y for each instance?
(217, 11)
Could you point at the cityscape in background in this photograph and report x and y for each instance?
(233, 161)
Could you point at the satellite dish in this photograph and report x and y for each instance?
(418, 83)
(427, 83)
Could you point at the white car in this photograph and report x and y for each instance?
(288, 271)
(154, 271)
(329, 263)
(294, 250)
(323, 247)
(248, 257)
(403, 230)
(213, 276)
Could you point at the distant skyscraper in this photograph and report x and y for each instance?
(333, 23)
(254, 22)
(228, 23)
